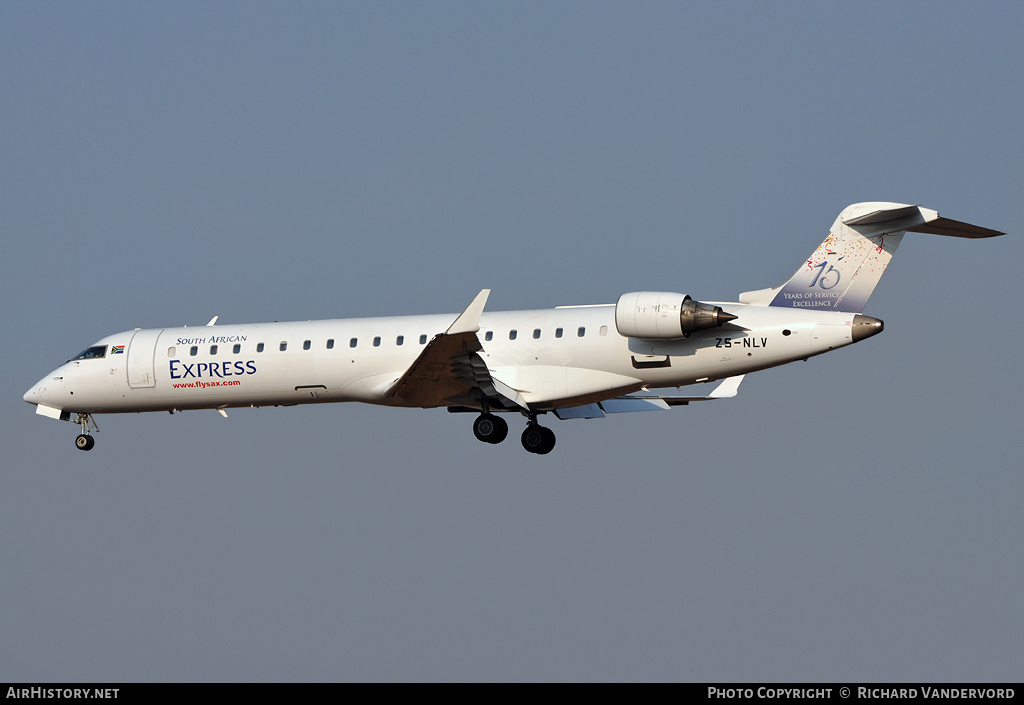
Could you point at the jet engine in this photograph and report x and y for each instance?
(664, 315)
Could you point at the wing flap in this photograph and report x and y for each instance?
(449, 367)
(432, 379)
(439, 372)
(586, 411)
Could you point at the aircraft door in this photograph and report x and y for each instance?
(141, 358)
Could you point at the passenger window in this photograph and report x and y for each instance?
(376, 342)
(489, 335)
(423, 340)
(171, 351)
(237, 349)
(512, 334)
(213, 349)
(558, 332)
(352, 343)
(284, 345)
(603, 331)
(306, 345)
(330, 343)
(536, 333)
(194, 350)
(581, 332)
(399, 340)
(259, 347)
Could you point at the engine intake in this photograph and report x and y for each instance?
(665, 315)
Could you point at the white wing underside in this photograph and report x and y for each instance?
(646, 401)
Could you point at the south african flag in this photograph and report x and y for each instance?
(116, 349)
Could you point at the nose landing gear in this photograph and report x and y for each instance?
(84, 441)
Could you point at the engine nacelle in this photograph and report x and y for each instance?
(665, 315)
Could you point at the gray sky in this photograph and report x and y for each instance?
(854, 517)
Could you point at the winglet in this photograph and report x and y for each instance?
(213, 321)
(728, 388)
(469, 320)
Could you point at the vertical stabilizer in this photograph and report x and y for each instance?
(843, 271)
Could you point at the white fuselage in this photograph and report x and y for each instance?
(554, 358)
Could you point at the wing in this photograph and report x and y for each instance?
(646, 401)
(448, 370)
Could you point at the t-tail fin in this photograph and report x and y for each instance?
(841, 274)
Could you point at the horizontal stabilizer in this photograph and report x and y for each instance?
(954, 228)
(880, 214)
(913, 219)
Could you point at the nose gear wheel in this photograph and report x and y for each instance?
(84, 441)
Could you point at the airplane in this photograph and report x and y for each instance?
(577, 362)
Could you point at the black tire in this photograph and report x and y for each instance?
(549, 441)
(502, 430)
(84, 442)
(490, 428)
(534, 438)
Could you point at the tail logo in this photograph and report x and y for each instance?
(824, 278)
(840, 274)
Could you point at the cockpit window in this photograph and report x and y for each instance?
(94, 351)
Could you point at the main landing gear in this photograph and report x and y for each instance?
(84, 441)
(490, 428)
(493, 429)
(538, 439)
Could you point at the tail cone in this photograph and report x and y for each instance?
(865, 327)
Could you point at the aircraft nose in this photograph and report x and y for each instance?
(37, 394)
(32, 395)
